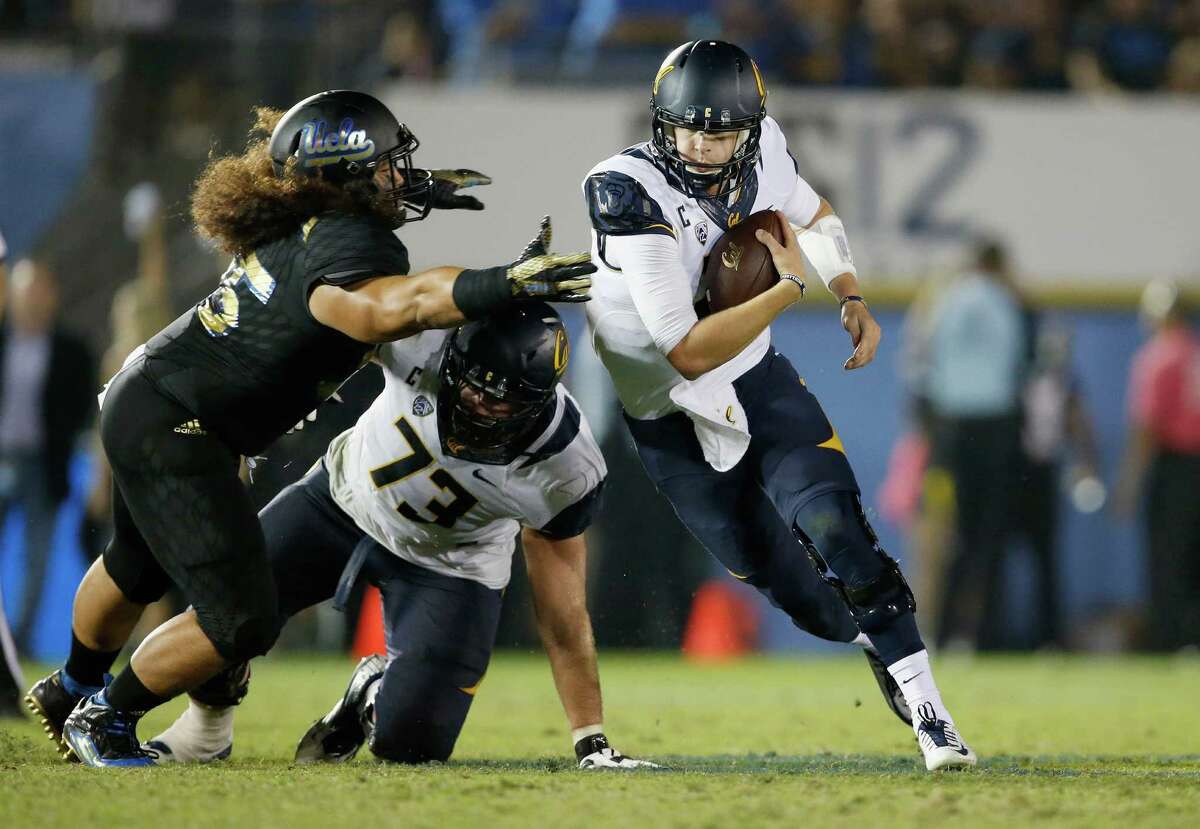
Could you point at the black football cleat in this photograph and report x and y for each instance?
(51, 702)
(337, 737)
(103, 737)
(893, 697)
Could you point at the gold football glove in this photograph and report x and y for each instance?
(552, 277)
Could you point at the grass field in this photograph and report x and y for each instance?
(763, 742)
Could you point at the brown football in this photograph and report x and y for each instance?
(739, 266)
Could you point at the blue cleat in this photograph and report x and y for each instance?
(101, 736)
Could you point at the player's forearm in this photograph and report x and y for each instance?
(720, 337)
(572, 654)
(557, 570)
(389, 307)
(844, 286)
(416, 303)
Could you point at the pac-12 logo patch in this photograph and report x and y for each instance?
(422, 406)
(702, 232)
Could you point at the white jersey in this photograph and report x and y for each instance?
(453, 516)
(649, 243)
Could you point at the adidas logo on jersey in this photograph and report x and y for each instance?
(422, 406)
(191, 427)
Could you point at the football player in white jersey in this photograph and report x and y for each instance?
(472, 441)
(725, 427)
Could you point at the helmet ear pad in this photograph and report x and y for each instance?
(516, 358)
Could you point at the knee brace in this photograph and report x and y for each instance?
(873, 602)
(227, 688)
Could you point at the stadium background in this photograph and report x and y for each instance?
(1066, 129)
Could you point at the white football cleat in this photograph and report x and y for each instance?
(939, 741)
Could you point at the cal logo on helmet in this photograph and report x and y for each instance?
(562, 352)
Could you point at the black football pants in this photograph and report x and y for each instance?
(181, 515)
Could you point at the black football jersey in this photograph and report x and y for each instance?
(250, 361)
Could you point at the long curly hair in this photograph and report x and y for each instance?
(241, 204)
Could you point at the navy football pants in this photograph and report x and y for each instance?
(440, 630)
(794, 475)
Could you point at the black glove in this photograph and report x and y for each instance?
(554, 277)
(444, 196)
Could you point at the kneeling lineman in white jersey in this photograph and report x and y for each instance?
(725, 427)
(472, 440)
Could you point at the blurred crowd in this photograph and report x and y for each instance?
(1044, 45)
(1001, 440)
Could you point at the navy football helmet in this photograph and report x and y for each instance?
(516, 358)
(713, 86)
(343, 135)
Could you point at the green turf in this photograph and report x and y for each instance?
(1062, 741)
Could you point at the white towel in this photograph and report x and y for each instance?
(718, 417)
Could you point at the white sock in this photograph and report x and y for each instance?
(202, 728)
(915, 677)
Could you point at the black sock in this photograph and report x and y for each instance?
(897, 639)
(86, 666)
(127, 693)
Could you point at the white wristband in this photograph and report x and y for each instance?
(826, 249)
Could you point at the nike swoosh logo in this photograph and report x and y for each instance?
(961, 751)
(910, 679)
(475, 472)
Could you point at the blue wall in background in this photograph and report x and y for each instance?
(52, 635)
(46, 121)
(1101, 561)
(47, 124)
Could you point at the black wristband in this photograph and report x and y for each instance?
(590, 745)
(481, 292)
(851, 298)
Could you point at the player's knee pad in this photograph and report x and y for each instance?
(138, 576)
(243, 638)
(227, 688)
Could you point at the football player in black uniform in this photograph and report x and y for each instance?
(317, 277)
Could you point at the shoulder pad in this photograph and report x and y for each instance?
(618, 205)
